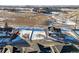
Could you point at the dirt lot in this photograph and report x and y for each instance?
(24, 19)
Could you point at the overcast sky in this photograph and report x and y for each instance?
(39, 2)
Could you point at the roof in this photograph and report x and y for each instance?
(29, 28)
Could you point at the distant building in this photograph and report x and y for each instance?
(25, 9)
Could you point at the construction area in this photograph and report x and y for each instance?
(37, 29)
(27, 17)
